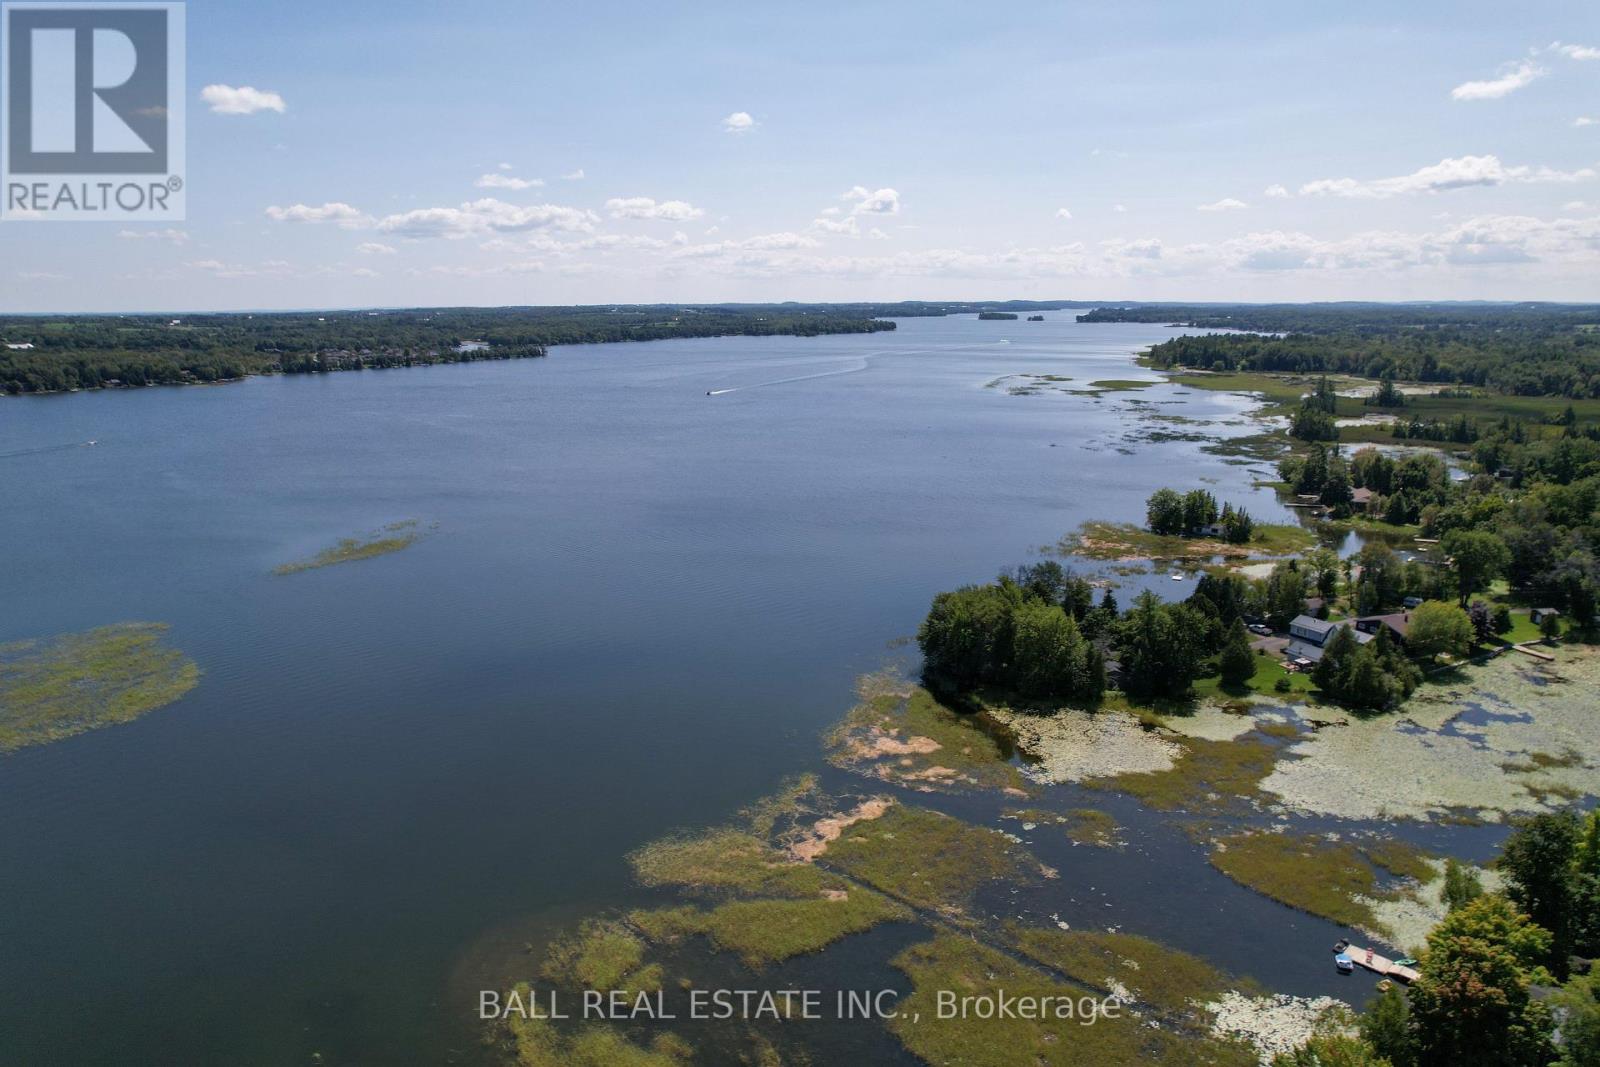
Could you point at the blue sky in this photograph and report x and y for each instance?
(388, 154)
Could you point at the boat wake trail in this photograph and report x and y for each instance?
(47, 448)
(858, 365)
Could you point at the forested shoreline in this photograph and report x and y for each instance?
(1517, 349)
(44, 354)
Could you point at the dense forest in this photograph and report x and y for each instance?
(1520, 349)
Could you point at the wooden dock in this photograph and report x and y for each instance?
(1381, 964)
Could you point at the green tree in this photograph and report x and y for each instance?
(1164, 513)
(1160, 647)
(1332, 1050)
(1578, 1006)
(1238, 662)
(1477, 558)
(966, 638)
(1470, 1006)
(1439, 629)
(1539, 861)
(1461, 885)
(1386, 1026)
(1047, 660)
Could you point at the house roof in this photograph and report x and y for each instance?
(1399, 621)
(1315, 625)
(1361, 496)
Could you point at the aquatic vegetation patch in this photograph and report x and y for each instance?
(1275, 1025)
(1123, 542)
(537, 1043)
(725, 860)
(603, 955)
(393, 538)
(768, 931)
(1083, 826)
(1112, 385)
(1405, 918)
(1073, 745)
(1204, 773)
(971, 973)
(52, 689)
(906, 737)
(931, 860)
(1333, 879)
(1482, 741)
(1161, 977)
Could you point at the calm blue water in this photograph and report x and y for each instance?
(635, 609)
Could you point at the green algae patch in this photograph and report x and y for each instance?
(899, 733)
(393, 538)
(53, 689)
(966, 972)
(604, 955)
(1147, 971)
(769, 931)
(930, 860)
(539, 1044)
(1204, 773)
(1337, 880)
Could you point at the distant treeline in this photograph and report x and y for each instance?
(1521, 349)
(91, 352)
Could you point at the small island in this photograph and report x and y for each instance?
(1002, 316)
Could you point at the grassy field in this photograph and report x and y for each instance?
(1269, 669)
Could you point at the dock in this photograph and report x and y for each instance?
(1527, 650)
(1381, 964)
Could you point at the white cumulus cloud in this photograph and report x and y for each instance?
(244, 100)
(872, 201)
(1277, 192)
(1509, 81)
(1063, 213)
(738, 122)
(1226, 204)
(644, 207)
(485, 217)
(1576, 51)
(375, 248)
(506, 181)
(336, 212)
(1459, 173)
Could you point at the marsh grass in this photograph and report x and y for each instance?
(394, 537)
(768, 931)
(1124, 541)
(537, 1043)
(1315, 875)
(53, 689)
(603, 955)
(967, 968)
(724, 860)
(929, 859)
(1164, 978)
(967, 754)
(1205, 772)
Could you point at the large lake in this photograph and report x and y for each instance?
(635, 608)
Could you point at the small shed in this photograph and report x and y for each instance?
(1538, 615)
